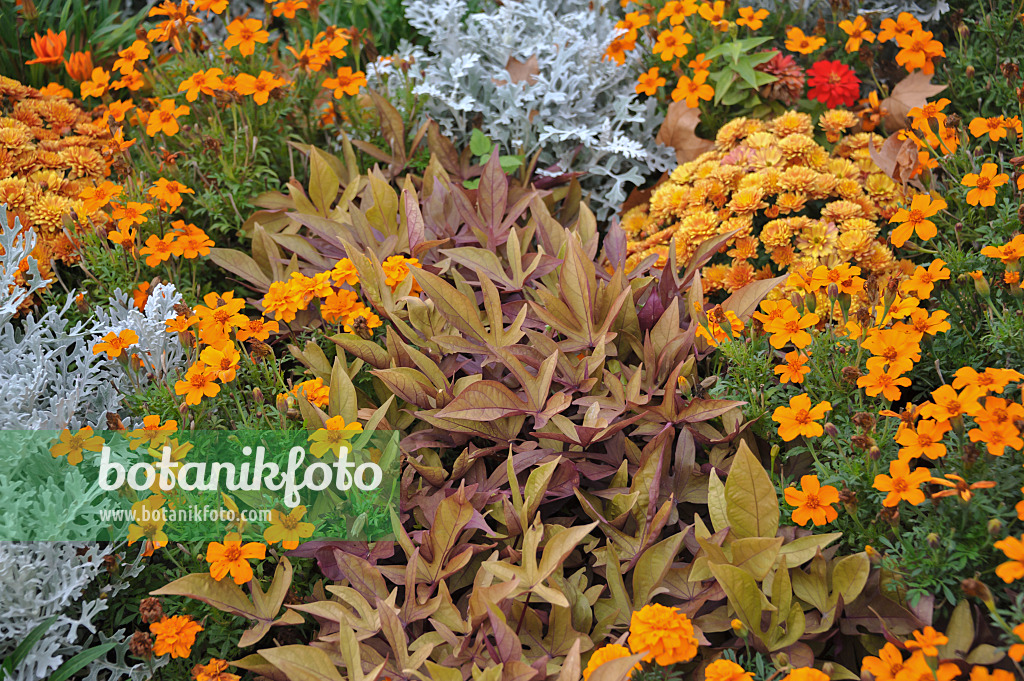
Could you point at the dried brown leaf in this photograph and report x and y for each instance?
(911, 92)
(519, 71)
(679, 132)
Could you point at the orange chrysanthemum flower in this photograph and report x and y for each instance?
(663, 633)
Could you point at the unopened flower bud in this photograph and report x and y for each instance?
(781, 661)
(830, 429)
(739, 628)
(995, 527)
(969, 70)
(974, 587)
(833, 291)
(873, 555)
(183, 409)
(875, 453)
(933, 540)
(257, 395)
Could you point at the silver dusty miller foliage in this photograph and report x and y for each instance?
(580, 110)
(50, 379)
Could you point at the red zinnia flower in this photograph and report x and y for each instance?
(833, 83)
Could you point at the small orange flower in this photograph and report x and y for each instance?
(813, 502)
(97, 84)
(858, 32)
(752, 19)
(796, 41)
(79, 65)
(115, 343)
(132, 213)
(258, 86)
(1012, 569)
(800, 418)
(985, 184)
(693, 89)
(902, 484)
(672, 43)
(165, 118)
(245, 33)
(49, 48)
(346, 82)
(206, 82)
(168, 192)
(233, 557)
(199, 383)
(649, 82)
(915, 219)
(129, 56)
(795, 368)
(175, 635)
(288, 8)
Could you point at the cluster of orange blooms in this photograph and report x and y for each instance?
(50, 151)
(764, 180)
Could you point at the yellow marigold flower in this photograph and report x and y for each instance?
(288, 529)
(332, 436)
(664, 634)
(175, 635)
(607, 653)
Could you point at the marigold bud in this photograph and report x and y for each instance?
(933, 540)
(257, 395)
(151, 609)
(141, 645)
(875, 453)
(830, 429)
(781, 660)
(995, 527)
(968, 70)
(974, 587)
(739, 628)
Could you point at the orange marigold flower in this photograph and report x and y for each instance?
(206, 82)
(891, 348)
(1016, 651)
(72, 445)
(887, 383)
(800, 418)
(806, 674)
(922, 282)
(165, 118)
(947, 404)
(796, 41)
(858, 32)
(119, 109)
(915, 219)
(918, 50)
(617, 49)
(346, 82)
(693, 89)
(902, 484)
(245, 33)
(722, 669)
(791, 329)
(288, 8)
(99, 196)
(1013, 569)
(664, 634)
(959, 485)
(128, 57)
(607, 653)
(676, 11)
(132, 213)
(994, 127)
(905, 24)
(115, 343)
(649, 82)
(97, 84)
(923, 440)
(752, 19)
(813, 502)
(168, 192)
(671, 43)
(175, 635)
(49, 48)
(258, 86)
(214, 670)
(79, 65)
(199, 382)
(795, 368)
(985, 184)
(927, 641)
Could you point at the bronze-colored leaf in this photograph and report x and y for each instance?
(518, 71)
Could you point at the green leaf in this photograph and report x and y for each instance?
(302, 663)
(752, 504)
(80, 661)
(19, 654)
(479, 143)
(716, 503)
(651, 568)
(323, 181)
